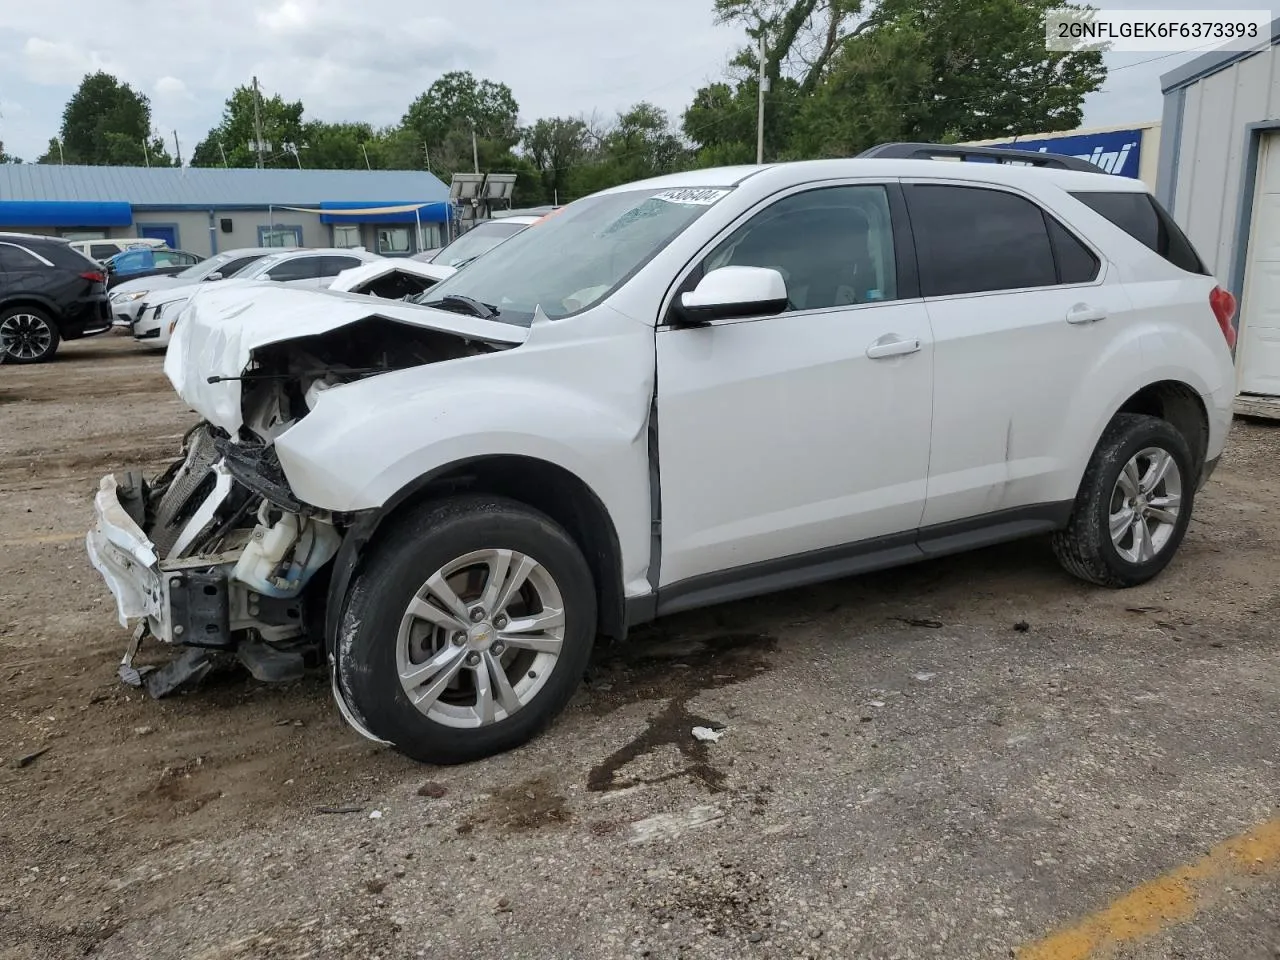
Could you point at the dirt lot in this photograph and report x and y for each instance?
(971, 758)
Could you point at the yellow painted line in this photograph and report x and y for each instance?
(39, 541)
(1165, 901)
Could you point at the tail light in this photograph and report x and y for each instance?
(94, 276)
(1223, 305)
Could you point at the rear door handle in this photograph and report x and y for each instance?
(891, 345)
(1083, 313)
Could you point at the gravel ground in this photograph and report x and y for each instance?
(955, 760)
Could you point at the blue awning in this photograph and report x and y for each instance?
(64, 213)
(440, 212)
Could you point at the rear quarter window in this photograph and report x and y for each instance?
(1141, 217)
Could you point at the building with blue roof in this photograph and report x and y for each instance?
(204, 210)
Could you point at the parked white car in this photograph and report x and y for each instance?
(307, 268)
(674, 393)
(127, 298)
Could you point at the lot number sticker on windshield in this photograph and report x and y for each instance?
(700, 196)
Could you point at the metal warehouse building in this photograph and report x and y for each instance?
(205, 210)
(1219, 174)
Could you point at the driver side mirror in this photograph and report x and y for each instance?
(213, 276)
(733, 292)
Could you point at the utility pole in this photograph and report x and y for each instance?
(426, 154)
(257, 123)
(177, 148)
(475, 151)
(146, 155)
(223, 153)
(366, 157)
(61, 159)
(760, 112)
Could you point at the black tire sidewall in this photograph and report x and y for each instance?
(54, 336)
(1144, 433)
(396, 569)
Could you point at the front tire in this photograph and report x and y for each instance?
(27, 335)
(467, 630)
(1133, 506)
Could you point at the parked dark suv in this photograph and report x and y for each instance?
(49, 292)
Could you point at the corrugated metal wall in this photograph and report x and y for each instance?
(1212, 147)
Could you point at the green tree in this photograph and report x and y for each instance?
(338, 146)
(234, 136)
(107, 122)
(867, 71)
(555, 147)
(721, 121)
(443, 119)
(7, 157)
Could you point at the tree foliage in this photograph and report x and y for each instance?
(234, 136)
(7, 157)
(845, 74)
(107, 122)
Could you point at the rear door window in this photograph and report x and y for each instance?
(975, 240)
(103, 251)
(332, 266)
(296, 268)
(16, 260)
(1141, 217)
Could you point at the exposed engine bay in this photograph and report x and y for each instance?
(237, 564)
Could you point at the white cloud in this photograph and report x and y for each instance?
(59, 63)
(169, 88)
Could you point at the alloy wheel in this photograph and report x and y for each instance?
(480, 638)
(25, 336)
(1145, 504)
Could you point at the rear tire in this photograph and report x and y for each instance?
(27, 335)
(1134, 504)
(450, 682)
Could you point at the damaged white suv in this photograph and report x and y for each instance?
(671, 394)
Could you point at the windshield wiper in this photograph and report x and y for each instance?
(456, 303)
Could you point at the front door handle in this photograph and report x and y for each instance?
(1083, 313)
(891, 345)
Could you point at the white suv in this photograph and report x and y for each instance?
(672, 393)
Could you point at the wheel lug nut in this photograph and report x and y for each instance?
(497, 649)
(500, 621)
(477, 614)
(459, 638)
(473, 659)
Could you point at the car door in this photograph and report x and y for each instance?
(783, 440)
(1018, 306)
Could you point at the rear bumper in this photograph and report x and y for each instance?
(85, 319)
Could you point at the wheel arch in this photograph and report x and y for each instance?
(27, 299)
(1179, 404)
(539, 484)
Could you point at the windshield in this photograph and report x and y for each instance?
(202, 269)
(477, 240)
(579, 256)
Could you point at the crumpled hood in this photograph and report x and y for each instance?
(220, 329)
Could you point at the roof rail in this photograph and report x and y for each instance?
(932, 151)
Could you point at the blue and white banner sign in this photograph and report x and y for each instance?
(1117, 151)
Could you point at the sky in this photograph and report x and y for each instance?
(366, 61)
